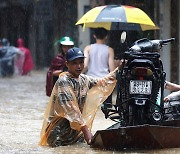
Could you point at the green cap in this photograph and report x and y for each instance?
(66, 41)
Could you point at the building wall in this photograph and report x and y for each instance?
(84, 38)
(169, 18)
(164, 24)
(174, 27)
(64, 19)
(50, 21)
(83, 7)
(178, 13)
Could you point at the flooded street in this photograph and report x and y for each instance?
(22, 106)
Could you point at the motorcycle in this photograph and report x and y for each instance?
(140, 85)
(142, 119)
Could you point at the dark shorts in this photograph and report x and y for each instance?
(62, 134)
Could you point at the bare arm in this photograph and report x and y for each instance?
(86, 60)
(119, 63)
(87, 134)
(111, 59)
(172, 86)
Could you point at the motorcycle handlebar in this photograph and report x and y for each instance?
(168, 40)
(149, 45)
(157, 44)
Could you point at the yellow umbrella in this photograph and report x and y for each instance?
(117, 17)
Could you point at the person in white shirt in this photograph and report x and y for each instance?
(99, 57)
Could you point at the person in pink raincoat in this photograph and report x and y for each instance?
(28, 61)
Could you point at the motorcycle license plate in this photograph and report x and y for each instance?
(140, 87)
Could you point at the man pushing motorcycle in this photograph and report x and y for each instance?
(74, 102)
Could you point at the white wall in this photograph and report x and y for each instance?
(84, 36)
(179, 41)
(165, 34)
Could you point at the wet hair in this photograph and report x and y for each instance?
(100, 33)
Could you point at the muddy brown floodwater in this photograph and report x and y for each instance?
(22, 106)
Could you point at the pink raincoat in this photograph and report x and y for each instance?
(28, 61)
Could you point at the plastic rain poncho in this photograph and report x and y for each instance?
(78, 108)
(28, 63)
(11, 61)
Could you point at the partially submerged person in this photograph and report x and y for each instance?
(175, 95)
(28, 64)
(12, 59)
(58, 63)
(73, 103)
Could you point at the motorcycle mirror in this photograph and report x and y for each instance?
(123, 37)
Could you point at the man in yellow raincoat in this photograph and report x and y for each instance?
(73, 103)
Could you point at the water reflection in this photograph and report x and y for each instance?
(22, 106)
